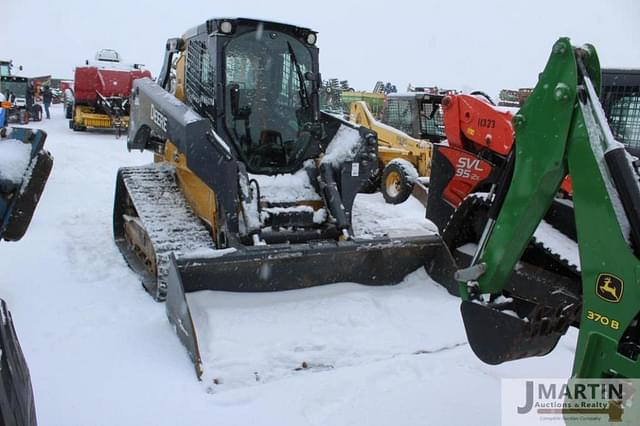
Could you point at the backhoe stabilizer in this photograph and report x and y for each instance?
(380, 261)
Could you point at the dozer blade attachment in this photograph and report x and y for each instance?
(498, 334)
(380, 261)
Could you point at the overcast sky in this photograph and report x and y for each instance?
(485, 45)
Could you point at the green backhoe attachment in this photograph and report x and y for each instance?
(562, 130)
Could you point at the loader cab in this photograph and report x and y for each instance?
(258, 83)
(5, 68)
(417, 114)
(15, 89)
(620, 97)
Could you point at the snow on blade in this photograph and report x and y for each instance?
(343, 146)
(373, 217)
(207, 253)
(14, 159)
(247, 339)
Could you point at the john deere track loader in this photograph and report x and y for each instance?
(562, 129)
(252, 186)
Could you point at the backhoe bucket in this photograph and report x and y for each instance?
(497, 335)
(380, 261)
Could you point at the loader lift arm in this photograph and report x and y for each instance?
(561, 129)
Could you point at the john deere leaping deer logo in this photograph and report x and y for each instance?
(609, 287)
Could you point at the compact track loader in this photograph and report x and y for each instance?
(252, 186)
(562, 130)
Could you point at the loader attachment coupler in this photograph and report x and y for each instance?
(514, 328)
(380, 261)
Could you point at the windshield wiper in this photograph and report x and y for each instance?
(304, 96)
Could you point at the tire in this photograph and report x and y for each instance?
(397, 180)
(76, 128)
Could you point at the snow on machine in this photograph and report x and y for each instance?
(253, 186)
(560, 130)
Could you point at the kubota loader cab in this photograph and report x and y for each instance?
(252, 186)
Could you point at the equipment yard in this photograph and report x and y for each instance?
(220, 227)
(101, 351)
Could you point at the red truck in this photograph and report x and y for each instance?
(101, 93)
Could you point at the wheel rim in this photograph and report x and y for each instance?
(392, 183)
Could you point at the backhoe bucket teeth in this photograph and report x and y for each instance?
(380, 261)
(497, 335)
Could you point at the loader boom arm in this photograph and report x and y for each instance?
(561, 129)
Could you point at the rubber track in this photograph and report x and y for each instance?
(474, 201)
(171, 224)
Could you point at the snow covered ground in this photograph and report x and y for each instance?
(101, 352)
